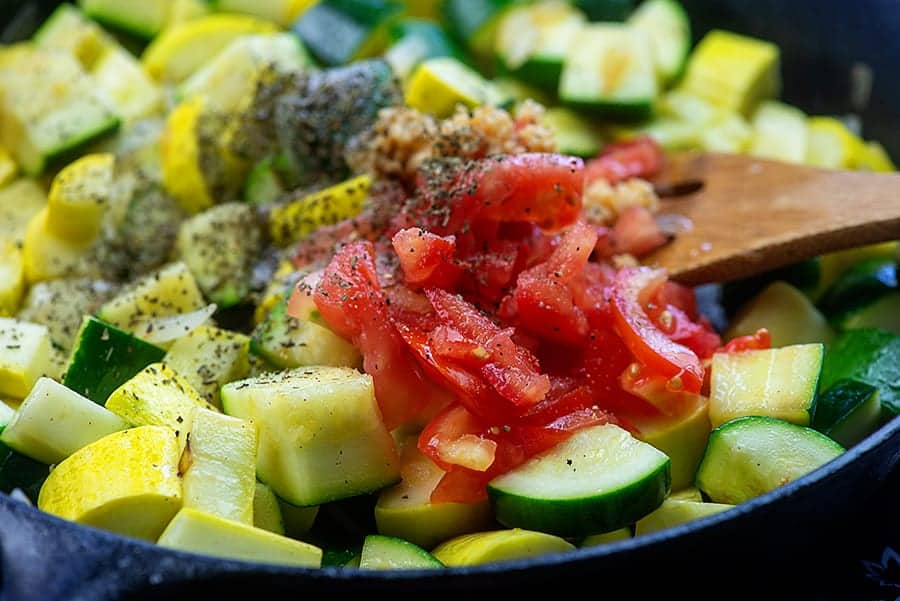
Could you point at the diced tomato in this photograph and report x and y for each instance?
(759, 341)
(544, 189)
(426, 259)
(544, 299)
(640, 157)
(632, 290)
(351, 302)
(636, 233)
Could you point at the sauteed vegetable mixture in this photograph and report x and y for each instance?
(369, 283)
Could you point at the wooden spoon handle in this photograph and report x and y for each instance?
(753, 215)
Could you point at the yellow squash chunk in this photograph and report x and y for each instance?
(873, 157)
(126, 482)
(295, 220)
(199, 532)
(687, 494)
(8, 168)
(181, 11)
(607, 537)
(833, 265)
(406, 511)
(673, 512)
(786, 312)
(12, 278)
(220, 476)
(20, 201)
(48, 256)
(831, 144)
(297, 520)
(181, 49)
(25, 356)
(157, 396)
(438, 85)
(732, 71)
(780, 132)
(499, 545)
(79, 197)
(208, 358)
(682, 438)
(170, 291)
(180, 149)
(731, 133)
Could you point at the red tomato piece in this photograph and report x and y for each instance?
(544, 299)
(759, 341)
(351, 302)
(426, 259)
(640, 157)
(636, 233)
(540, 188)
(631, 292)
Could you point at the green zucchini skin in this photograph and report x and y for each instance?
(871, 356)
(337, 32)
(104, 358)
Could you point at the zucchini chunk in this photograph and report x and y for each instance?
(104, 357)
(575, 135)
(779, 382)
(415, 41)
(388, 553)
(20, 201)
(786, 312)
(53, 422)
(673, 512)
(474, 22)
(198, 532)
(848, 411)
(780, 132)
(338, 32)
(144, 19)
(609, 71)
(669, 29)
(24, 356)
(750, 456)
(866, 295)
(682, 438)
(321, 437)
(208, 358)
(598, 480)
(12, 278)
(266, 509)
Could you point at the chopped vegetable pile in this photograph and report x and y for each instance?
(369, 284)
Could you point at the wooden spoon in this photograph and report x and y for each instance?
(752, 215)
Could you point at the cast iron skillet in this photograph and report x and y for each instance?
(790, 541)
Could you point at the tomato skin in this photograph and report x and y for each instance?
(640, 157)
(759, 341)
(426, 259)
(539, 188)
(350, 300)
(633, 287)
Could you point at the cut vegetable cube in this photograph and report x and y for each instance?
(870, 356)
(751, 456)
(199, 532)
(575, 135)
(104, 357)
(53, 422)
(475, 22)
(778, 382)
(12, 278)
(533, 40)
(598, 480)
(50, 107)
(209, 358)
(780, 132)
(182, 49)
(68, 29)
(500, 545)
(133, 93)
(144, 19)
(126, 482)
(609, 70)
(48, 256)
(682, 438)
(295, 220)
(415, 41)
(669, 29)
(873, 157)
(24, 356)
(283, 12)
(866, 295)
(342, 31)
(170, 291)
(220, 478)
(321, 437)
(157, 396)
(20, 201)
(674, 512)
(266, 509)
(734, 72)
(831, 144)
(406, 511)
(80, 196)
(786, 312)
(389, 553)
(848, 411)
(438, 85)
